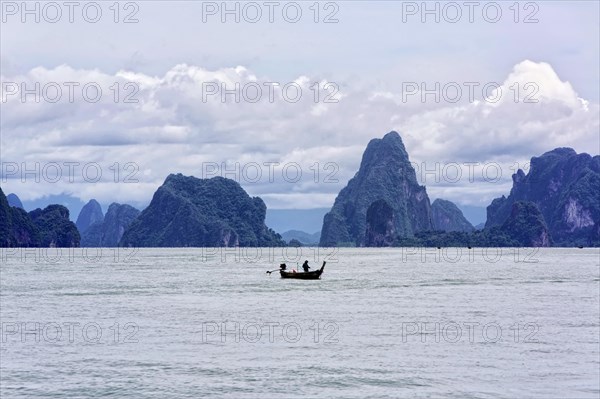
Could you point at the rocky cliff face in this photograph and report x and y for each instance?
(23, 233)
(49, 227)
(186, 211)
(526, 225)
(109, 232)
(594, 238)
(89, 214)
(564, 185)
(385, 173)
(6, 234)
(448, 217)
(381, 225)
(55, 227)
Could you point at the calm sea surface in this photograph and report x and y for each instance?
(381, 323)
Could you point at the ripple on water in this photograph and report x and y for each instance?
(170, 293)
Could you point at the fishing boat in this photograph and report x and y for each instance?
(314, 275)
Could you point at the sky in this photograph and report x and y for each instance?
(107, 106)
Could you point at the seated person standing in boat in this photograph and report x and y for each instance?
(305, 266)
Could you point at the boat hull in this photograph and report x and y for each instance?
(314, 275)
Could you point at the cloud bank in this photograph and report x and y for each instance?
(295, 143)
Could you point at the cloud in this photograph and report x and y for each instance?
(179, 123)
(532, 111)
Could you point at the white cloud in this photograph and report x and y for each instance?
(174, 128)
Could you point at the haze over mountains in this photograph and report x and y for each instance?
(447, 217)
(15, 201)
(90, 214)
(556, 203)
(302, 237)
(108, 231)
(305, 220)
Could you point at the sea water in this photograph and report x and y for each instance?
(381, 323)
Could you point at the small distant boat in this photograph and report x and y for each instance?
(314, 275)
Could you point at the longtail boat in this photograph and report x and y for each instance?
(314, 275)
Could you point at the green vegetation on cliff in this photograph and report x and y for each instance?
(380, 225)
(48, 227)
(565, 186)
(55, 227)
(386, 174)
(524, 227)
(448, 217)
(187, 211)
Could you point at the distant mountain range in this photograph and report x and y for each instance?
(556, 204)
(447, 217)
(91, 213)
(305, 220)
(15, 201)
(302, 237)
(108, 231)
(73, 203)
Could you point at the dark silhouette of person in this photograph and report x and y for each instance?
(305, 266)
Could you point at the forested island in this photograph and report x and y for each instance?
(556, 204)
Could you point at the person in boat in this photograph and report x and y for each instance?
(305, 266)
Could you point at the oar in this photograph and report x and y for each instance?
(271, 271)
